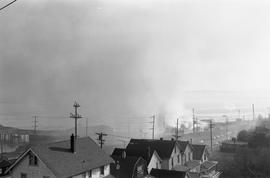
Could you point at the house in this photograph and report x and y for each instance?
(209, 169)
(230, 146)
(74, 158)
(167, 150)
(164, 173)
(200, 152)
(149, 155)
(128, 167)
(186, 151)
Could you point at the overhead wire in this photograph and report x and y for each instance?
(5, 6)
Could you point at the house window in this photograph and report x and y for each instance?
(157, 165)
(23, 175)
(172, 162)
(140, 170)
(189, 156)
(33, 160)
(178, 158)
(102, 170)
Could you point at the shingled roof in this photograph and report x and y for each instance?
(63, 163)
(126, 166)
(163, 148)
(198, 151)
(162, 173)
(182, 145)
(118, 151)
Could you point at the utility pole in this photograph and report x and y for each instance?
(194, 120)
(211, 134)
(211, 131)
(35, 125)
(86, 127)
(153, 126)
(176, 136)
(100, 138)
(75, 116)
(253, 112)
(227, 128)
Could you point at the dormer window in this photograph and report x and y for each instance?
(33, 160)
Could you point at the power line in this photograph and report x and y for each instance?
(7, 5)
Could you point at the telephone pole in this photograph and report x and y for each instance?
(153, 126)
(253, 112)
(86, 127)
(211, 126)
(226, 125)
(211, 134)
(75, 116)
(194, 120)
(100, 138)
(227, 128)
(35, 125)
(176, 136)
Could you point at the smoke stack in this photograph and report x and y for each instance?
(172, 139)
(161, 138)
(72, 144)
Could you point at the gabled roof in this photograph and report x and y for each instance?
(182, 145)
(63, 163)
(163, 148)
(194, 175)
(126, 166)
(136, 153)
(162, 173)
(192, 164)
(181, 168)
(207, 165)
(118, 151)
(198, 151)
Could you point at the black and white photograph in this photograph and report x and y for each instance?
(134, 89)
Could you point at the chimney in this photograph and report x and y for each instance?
(172, 139)
(72, 144)
(161, 138)
(191, 141)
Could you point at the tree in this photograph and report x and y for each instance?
(243, 136)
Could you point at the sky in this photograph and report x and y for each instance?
(124, 61)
